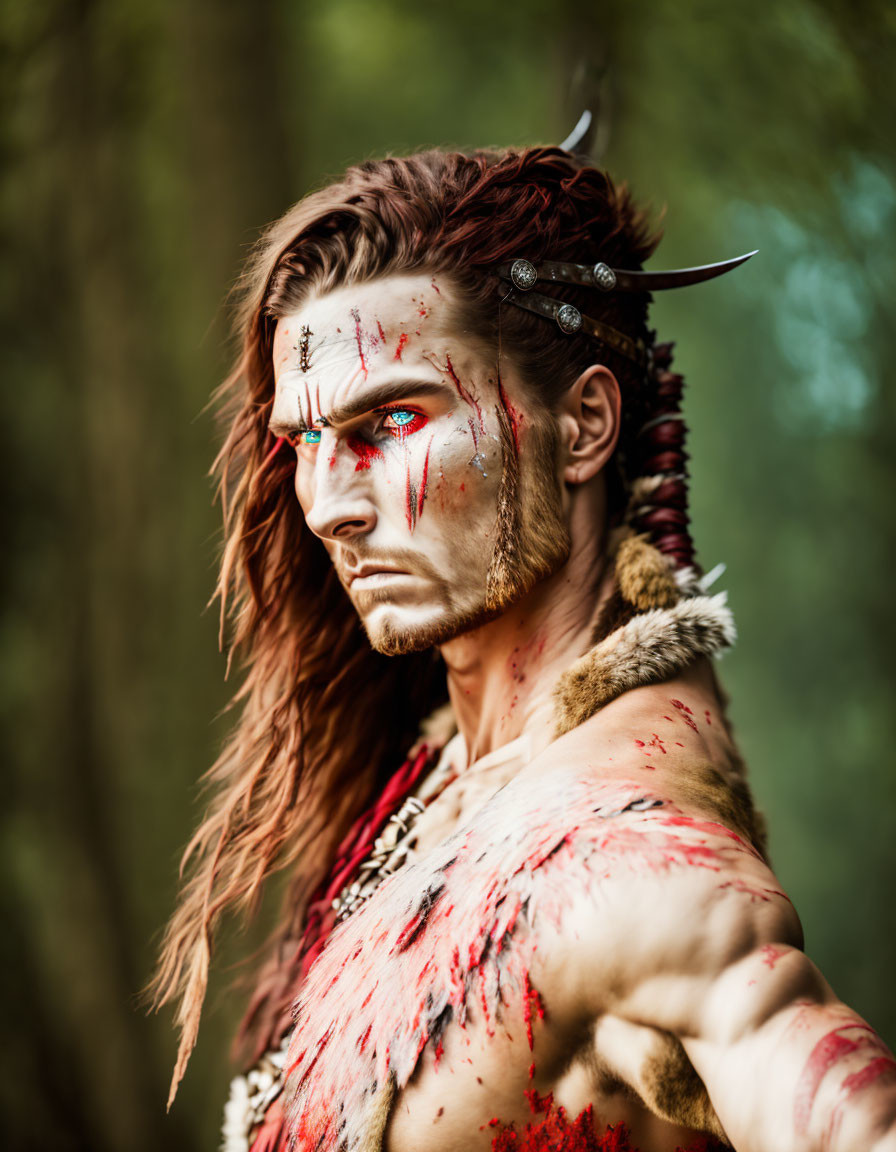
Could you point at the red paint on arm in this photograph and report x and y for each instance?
(829, 1049)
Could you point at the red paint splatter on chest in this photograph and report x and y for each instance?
(459, 927)
(551, 1130)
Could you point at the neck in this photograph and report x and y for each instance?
(501, 676)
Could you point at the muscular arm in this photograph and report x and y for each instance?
(713, 958)
(786, 1064)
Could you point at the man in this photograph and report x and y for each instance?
(553, 925)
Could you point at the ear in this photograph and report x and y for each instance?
(590, 413)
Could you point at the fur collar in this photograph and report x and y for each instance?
(651, 647)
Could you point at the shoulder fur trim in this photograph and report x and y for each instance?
(650, 648)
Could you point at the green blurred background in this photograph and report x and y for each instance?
(145, 143)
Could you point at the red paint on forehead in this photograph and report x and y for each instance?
(399, 348)
(356, 316)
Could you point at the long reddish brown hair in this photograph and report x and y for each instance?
(323, 719)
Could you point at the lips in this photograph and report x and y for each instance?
(366, 570)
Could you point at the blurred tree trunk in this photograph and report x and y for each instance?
(137, 112)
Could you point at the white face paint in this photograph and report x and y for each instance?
(396, 421)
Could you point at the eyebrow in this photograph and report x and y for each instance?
(386, 393)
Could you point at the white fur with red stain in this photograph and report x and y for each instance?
(453, 929)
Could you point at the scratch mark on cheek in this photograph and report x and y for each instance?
(465, 394)
(421, 493)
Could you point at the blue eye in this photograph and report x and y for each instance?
(401, 418)
(312, 436)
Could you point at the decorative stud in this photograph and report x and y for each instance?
(604, 276)
(523, 273)
(569, 318)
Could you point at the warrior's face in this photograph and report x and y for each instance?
(403, 433)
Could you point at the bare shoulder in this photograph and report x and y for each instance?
(676, 888)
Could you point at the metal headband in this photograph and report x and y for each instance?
(524, 275)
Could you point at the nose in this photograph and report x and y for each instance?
(340, 507)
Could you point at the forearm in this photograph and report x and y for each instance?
(810, 1076)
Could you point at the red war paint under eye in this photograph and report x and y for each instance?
(356, 316)
(399, 347)
(365, 452)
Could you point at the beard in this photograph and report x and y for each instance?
(532, 542)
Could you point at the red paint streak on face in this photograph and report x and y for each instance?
(651, 767)
(422, 310)
(365, 452)
(381, 332)
(399, 347)
(466, 396)
(669, 718)
(706, 714)
(356, 316)
(532, 1070)
(514, 419)
(463, 487)
(685, 713)
(421, 492)
(333, 460)
(829, 1049)
(437, 288)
